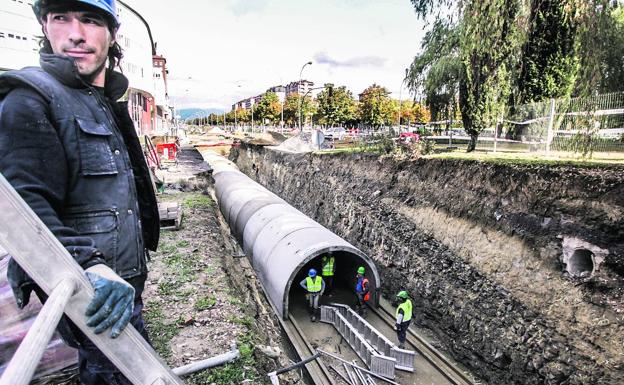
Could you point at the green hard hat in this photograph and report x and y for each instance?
(402, 294)
(361, 270)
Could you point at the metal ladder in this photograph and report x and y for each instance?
(378, 363)
(404, 357)
(47, 262)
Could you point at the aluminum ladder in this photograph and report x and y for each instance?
(378, 363)
(404, 358)
(48, 263)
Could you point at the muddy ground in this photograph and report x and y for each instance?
(201, 296)
(486, 250)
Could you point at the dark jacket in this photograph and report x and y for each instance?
(74, 156)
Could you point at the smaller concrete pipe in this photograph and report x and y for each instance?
(279, 239)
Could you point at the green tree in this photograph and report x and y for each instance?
(269, 108)
(549, 64)
(437, 70)
(376, 107)
(489, 35)
(335, 106)
(291, 108)
(611, 52)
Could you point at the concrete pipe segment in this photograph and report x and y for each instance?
(281, 242)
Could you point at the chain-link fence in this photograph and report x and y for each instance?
(586, 126)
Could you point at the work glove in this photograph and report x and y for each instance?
(113, 302)
(20, 283)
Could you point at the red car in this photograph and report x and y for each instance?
(408, 137)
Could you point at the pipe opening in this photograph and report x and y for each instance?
(342, 288)
(580, 263)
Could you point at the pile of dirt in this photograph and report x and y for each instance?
(297, 144)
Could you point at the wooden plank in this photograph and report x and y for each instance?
(47, 262)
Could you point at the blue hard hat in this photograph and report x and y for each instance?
(108, 6)
(312, 273)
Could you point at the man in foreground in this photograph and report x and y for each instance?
(70, 150)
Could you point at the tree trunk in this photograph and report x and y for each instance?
(472, 145)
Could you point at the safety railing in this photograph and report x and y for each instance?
(48, 263)
(378, 363)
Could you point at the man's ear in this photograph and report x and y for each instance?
(113, 37)
(44, 26)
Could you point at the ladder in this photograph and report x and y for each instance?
(404, 358)
(378, 363)
(48, 263)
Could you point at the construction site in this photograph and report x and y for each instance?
(514, 272)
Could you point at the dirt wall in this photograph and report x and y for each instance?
(516, 268)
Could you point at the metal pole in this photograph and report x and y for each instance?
(358, 367)
(298, 93)
(207, 363)
(27, 357)
(551, 124)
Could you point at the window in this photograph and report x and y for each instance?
(11, 35)
(1, 34)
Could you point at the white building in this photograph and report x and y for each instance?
(20, 33)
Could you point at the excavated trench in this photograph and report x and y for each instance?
(517, 269)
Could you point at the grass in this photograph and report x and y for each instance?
(160, 331)
(205, 303)
(234, 372)
(197, 201)
(502, 157)
(522, 158)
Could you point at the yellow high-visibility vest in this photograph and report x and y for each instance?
(407, 310)
(314, 285)
(328, 266)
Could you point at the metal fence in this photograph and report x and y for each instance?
(584, 126)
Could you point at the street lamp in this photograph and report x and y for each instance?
(400, 101)
(235, 107)
(299, 85)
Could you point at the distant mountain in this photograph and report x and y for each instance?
(186, 113)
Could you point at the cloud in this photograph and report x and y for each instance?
(244, 7)
(359, 61)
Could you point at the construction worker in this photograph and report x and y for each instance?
(403, 316)
(362, 291)
(315, 287)
(328, 262)
(70, 149)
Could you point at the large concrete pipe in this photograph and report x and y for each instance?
(281, 242)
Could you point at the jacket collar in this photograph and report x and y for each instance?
(64, 70)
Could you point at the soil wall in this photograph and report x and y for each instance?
(516, 268)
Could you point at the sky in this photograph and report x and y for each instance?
(222, 51)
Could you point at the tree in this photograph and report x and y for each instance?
(489, 34)
(243, 115)
(549, 64)
(611, 52)
(376, 108)
(412, 112)
(335, 106)
(437, 70)
(291, 108)
(269, 108)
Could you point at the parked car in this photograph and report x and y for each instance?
(408, 137)
(335, 133)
